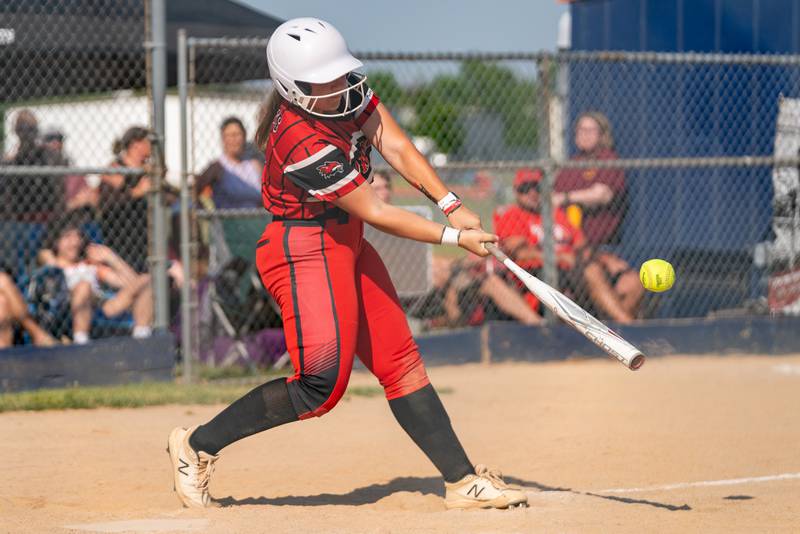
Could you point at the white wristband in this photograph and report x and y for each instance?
(450, 236)
(448, 199)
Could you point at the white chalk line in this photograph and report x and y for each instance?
(787, 369)
(704, 483)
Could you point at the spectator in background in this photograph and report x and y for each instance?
(13, 311)
(599, 196)
(29, 198)
(483, 184)
(232, 181)
(598, 192)
(519, 227)
(382, 185)
(88, 266)
(80, 192)
(53, 145)
(465, 292)
(235, 177)
(475, 293)
(123, 200)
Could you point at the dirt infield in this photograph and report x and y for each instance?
(686, 444)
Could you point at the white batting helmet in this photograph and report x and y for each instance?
(309, 50)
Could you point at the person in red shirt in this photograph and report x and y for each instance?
(469, 293)
(519, 227)
(335, 295)
(599, 193)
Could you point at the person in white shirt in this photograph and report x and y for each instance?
(86, 267)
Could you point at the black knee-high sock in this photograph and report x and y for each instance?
(423, 417)
(265, 407)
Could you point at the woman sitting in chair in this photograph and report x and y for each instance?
(235, 177)
(88, 265)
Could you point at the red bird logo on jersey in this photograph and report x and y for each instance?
(330, 168)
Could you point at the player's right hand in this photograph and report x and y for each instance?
(473, 240)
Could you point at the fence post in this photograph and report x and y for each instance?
(158, 260)
(186, 253)
(549, 271)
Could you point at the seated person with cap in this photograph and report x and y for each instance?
(519, 227)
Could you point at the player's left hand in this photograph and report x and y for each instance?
(464, 219)
(473, 240)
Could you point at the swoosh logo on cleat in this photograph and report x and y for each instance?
(184, 465)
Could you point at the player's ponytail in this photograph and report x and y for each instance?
(267, 114)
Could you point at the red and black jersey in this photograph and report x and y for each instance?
(312, 161)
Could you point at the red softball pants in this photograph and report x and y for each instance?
(336, 300)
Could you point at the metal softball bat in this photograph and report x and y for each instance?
(574, 315)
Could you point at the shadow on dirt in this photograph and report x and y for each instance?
(424, 485)
(626, 500)
(366, 495)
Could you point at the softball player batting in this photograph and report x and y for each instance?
(335, 294)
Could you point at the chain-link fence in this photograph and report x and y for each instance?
(231, 319)
(74, 191)
(585, 164)
(702, 196)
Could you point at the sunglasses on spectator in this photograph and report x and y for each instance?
(524, 188)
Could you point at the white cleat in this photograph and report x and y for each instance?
(485, 489)
(191, 470)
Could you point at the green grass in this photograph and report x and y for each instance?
(138, 395)
(148, 394)
(125, 396)
(207, 373)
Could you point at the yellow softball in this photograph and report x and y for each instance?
(657, 275)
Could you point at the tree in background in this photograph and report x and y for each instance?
(480, 87)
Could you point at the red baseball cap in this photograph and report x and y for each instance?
(526, 175)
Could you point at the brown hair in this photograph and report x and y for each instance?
(233, 120)
(26, 126)
(59, 227)
(606, 141)
(131, 135)
(266, 114)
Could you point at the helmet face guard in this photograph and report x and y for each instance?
(311, 51)
(347, 105)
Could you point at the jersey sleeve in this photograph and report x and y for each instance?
(326, 174)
